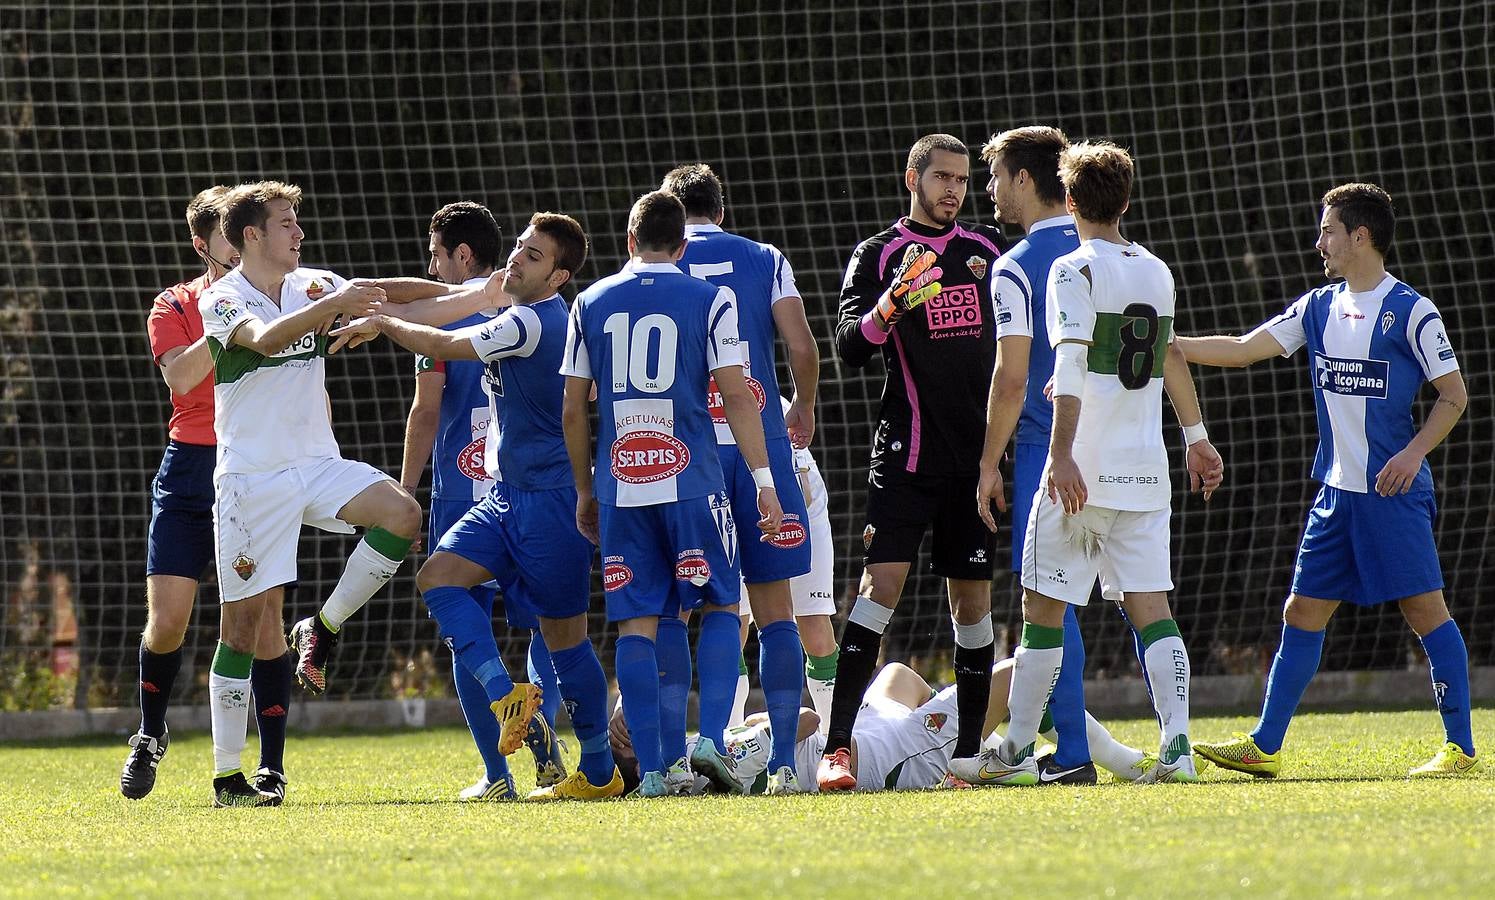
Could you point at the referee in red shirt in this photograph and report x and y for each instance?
(180, 543)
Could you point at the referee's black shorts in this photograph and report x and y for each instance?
(901, 507)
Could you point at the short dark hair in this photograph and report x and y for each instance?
(697, 188)
(1034, 149)
(465, 222)
(1364, 205)
(202, 211)
(657, 221)
(1097, 175)
(249, 204)
(570, 239)
(923, 149)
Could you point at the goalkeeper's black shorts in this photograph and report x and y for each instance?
(901, 507)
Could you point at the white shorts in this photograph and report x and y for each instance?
(257, 519)
(812, 591)
(1063, 555)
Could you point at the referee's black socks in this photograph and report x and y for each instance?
(861, 643)
(975, 652)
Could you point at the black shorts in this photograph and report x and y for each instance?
(180, 540)
(901, 507)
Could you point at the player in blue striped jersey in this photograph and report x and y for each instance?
(761, 282)
(650, 338)
(451, 415)
(1372, 341)
(1026, 190)
(523, 533)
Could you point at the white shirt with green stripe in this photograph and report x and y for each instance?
(271, 410)
(1120, 300)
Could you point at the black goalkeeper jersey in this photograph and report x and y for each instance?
(939, 356)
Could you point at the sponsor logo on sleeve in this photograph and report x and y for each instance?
(954, 312)
(691, 566)
(225, 309)
(977, 265)
(791, 533)
(1351, 377)
(644, 457)
(615, 573)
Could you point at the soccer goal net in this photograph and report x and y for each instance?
(1240, 116)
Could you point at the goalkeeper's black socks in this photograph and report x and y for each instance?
(270, 680)
(158, 673)
(861, 644)
(973, 666)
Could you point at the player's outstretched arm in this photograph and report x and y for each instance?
(405, 290)
(804, 365)
(354, 299)
(1206, 468)
(454, 306)
(1230, 352)
(741, 410)
(422, 339)
(1004, 405)
(1401, 470)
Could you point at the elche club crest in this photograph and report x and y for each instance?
(644, 457)
(714, 398)
(615, 573)
(791, 533)
(933, 722)
(244, 566)
(977, 265)
(315, 290)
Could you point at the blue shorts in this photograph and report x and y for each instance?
(1027, 469)
(660, 559)
(788, 554)
(1368, 549)
(444, 515)
(180, 540)
(528, 541)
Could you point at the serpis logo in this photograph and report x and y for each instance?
(791, 533)
(643, 457)
(694, 569)
(470, 460)
(714, 398)
(1351, 377)
(615, 574)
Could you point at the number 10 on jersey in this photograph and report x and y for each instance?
(643, 352)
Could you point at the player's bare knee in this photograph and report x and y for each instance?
(401, 516)
(771, 602)
(1308, 613)
(883, 584)
(1042, 610)
(1425, 613)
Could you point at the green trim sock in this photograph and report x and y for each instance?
(228, 693)
(1035, 668)
(820, 680)
(1168, 676)
(370, 566)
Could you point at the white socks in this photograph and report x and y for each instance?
(1034, 672)
(228, 699)
(367, 571)
(1168, 678)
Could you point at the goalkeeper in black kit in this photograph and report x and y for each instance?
(919, 295)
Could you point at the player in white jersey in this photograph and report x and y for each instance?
(1372, 341)
(905, 735)
(813, 595)
(1110, 319)
(278, 463)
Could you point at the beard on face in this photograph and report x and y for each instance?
(933, 210)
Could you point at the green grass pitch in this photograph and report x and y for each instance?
(372, 815)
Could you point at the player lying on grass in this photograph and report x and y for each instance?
(1372, 342)
(905, 736)
(524, 532)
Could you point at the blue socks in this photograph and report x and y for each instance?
(1067, 704)
(672, 648)
(781, 670)
(1449, 660)
(542, 675)
(468, 630)
(637, 671)
(584, 686)
(718, 650)
(1294, 666)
